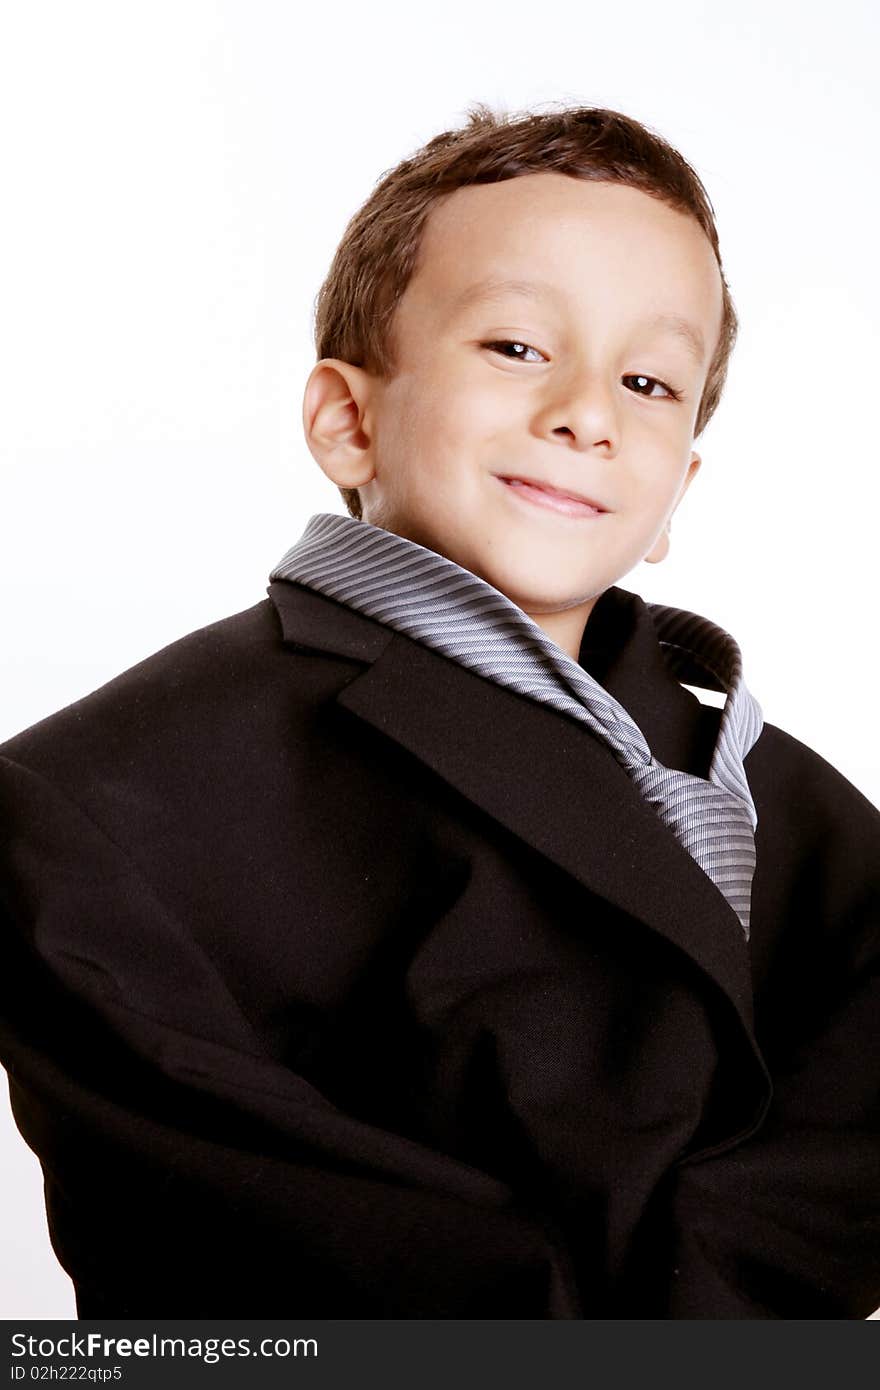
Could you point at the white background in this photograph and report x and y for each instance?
(175, 179)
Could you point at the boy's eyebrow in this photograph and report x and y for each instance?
(493, 288)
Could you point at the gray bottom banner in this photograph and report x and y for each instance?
(135, 1353)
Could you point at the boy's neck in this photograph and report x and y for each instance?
(566, 628)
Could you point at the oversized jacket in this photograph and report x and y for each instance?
(339, 981)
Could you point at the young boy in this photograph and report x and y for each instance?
(414, 944)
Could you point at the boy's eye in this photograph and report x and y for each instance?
(652, 381)
(516, 356)
(648, 382)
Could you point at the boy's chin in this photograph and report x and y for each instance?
(537, 594)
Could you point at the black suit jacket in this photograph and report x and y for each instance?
(338, 981)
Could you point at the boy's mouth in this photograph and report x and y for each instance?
(543, 495)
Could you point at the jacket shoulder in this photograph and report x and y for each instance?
(194, 669)
(818, 838)
(788, 772)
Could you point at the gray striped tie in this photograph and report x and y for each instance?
(435, 601)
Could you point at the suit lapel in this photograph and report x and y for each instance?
(546, 779)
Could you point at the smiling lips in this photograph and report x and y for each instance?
(543, 495)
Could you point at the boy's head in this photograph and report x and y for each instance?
(433, 390)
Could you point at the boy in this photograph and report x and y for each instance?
(414, 944)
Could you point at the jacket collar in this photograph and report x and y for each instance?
(622, 650)
(538, 774)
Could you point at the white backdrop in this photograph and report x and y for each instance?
(175, 179)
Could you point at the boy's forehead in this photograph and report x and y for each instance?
(551, 208)
(550, 238)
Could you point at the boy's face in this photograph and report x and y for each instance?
(583, 405)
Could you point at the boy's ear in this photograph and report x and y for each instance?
(335, 423)
(660, 549)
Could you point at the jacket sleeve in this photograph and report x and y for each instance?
(188, 1172)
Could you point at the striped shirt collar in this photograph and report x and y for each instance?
(628, 645)
(431, 599)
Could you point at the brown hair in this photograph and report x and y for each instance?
(377, 255)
